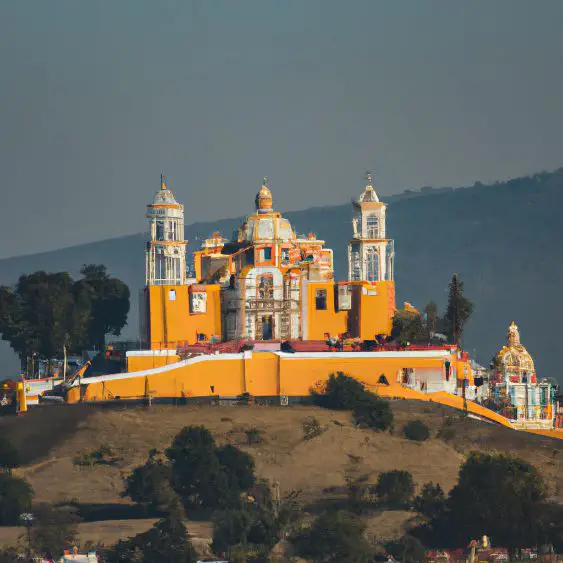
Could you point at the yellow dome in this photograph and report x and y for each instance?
(264, 198)
(514, 359)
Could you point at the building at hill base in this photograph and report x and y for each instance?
(262, 316)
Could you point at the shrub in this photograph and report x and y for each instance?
(311, 428)
(416, 430)
(431, 501)
(15, 499)
(167, 541)
(375, 413)
(9, 455)
(253, 436)
(104, 455)
(238, 466)
(446, 432)
(341, 393)
(408, 548)
(53, 530)
(150, 485)
(334, 537)
(251, 524)
(346, 393)
(395, 488)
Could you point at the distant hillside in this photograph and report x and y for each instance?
(503, 239)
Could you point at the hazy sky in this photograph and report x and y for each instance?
(97, 98)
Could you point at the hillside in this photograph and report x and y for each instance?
(51, 437)
(504, 240)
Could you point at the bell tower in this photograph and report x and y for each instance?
(165, 255)
(371, 255)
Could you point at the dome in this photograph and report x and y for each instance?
(164, 196)
(264, 199)
(514, 359)
(369, 195)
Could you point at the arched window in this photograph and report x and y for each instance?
(372, 224)
(372, 265)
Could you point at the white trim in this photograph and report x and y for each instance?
(158, 370)
(364, 355)
(151, 353)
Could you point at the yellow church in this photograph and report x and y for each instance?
(268, 284)
(264, 317)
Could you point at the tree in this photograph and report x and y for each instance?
(408, 549)
(15, 499)
(166, 542)
(150, 485)
(342, 392)
(53, 530)
(374, 412)
(249, 526)
(335, 537)
(408, 327)
(46, 311)
(416, 430)
(458, 312)
(497, 495)
(238, 467)
(431, 501)
(395, 487)
(431, 312)
(109, 299)
(197, 474)
(9, 455)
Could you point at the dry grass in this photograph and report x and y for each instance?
(316, 466)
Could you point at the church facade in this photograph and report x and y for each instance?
(268, 284)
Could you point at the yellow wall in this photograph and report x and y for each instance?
(375, 314)
(271, 374)
(170, 321)
(320, 322)
(150, 361)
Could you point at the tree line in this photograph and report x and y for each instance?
(409, 326)
(45, 312)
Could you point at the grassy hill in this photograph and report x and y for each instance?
(51, 437)
(504, 240)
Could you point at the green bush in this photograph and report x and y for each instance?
(334, 537)
(341, 393)
(53, 530)
(346, 393)
(15, 499)
(311, 428)
(373, 412)
(166, 542)
(395, 488)
(431, 501)
(416, 430)
(9, 455)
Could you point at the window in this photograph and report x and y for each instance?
(285, 254)
(266, 254)
(320, 299)
(372, 226)
(160, 230)
(373, 265)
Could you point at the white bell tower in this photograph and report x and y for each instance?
(371, 256)
(166, 248)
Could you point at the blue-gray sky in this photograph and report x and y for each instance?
(97, 98)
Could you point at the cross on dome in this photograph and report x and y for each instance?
(369, 194)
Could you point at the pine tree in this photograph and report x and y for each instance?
(458, 312)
